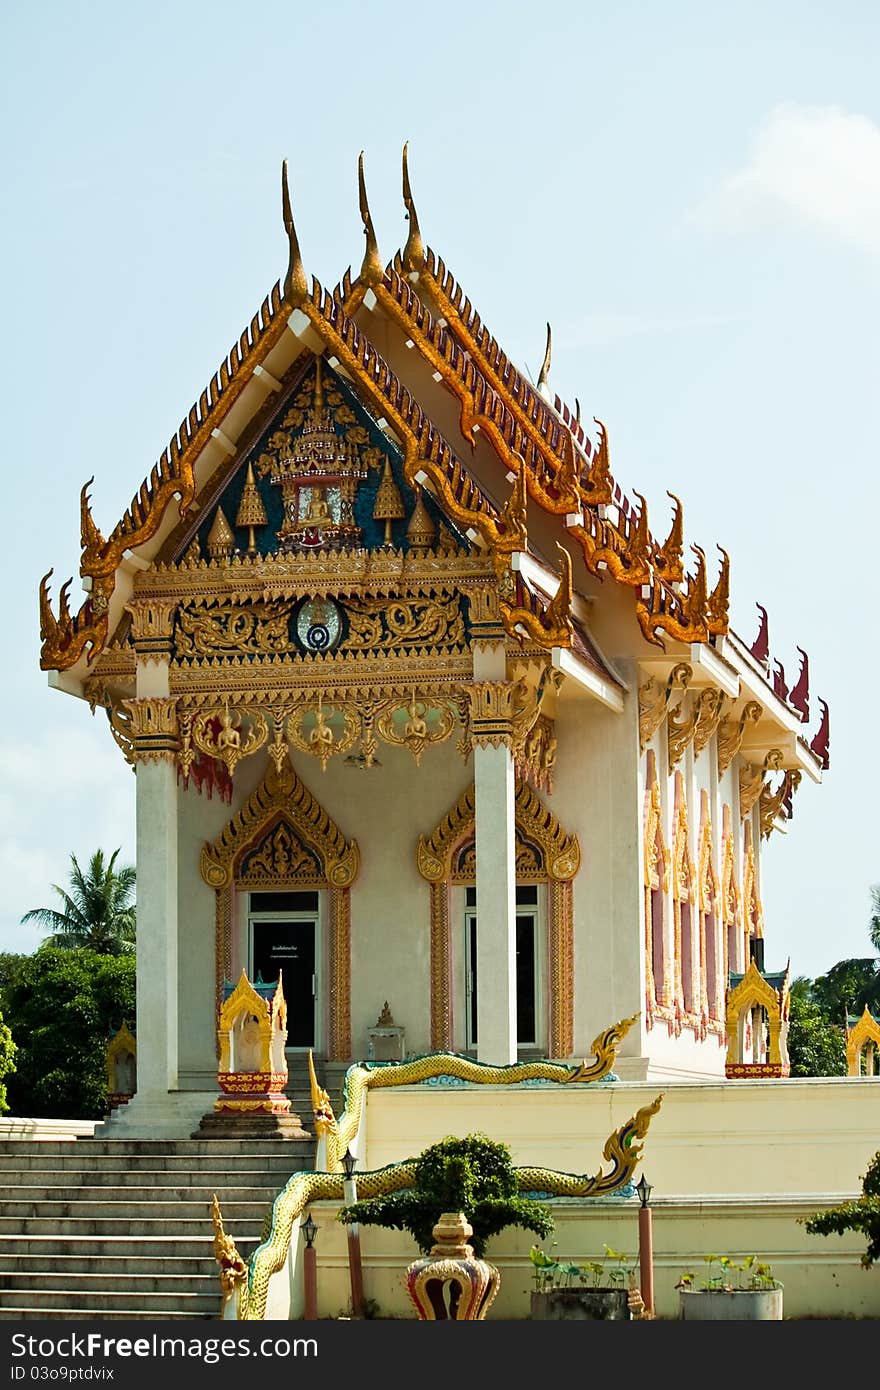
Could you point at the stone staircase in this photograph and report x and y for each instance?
(104, 1228)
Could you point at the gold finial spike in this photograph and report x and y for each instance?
(545, 365)
(372, 271)
(414, 251)
(313, 1083)
(577, 411)
(296, 285)
(221, 541)
(251, 512)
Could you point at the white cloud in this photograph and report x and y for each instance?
(813, 164)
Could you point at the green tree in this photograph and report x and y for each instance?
(861, 1215)
(474, 1175)
(98, 911)
(7, 1062)
(816, 1046)
(62, 1008)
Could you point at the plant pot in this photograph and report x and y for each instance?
(450, 1283)
(602, 1304)
(730, 1305)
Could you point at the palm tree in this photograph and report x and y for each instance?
(98, 911)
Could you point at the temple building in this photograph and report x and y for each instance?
(426, 716)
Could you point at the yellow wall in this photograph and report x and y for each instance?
(733, 1167)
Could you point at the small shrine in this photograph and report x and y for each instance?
(757, 1023)
(863, 1044)
(252, 1072)
(121, 1060)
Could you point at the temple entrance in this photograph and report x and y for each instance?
(527, 966)
(282, 933)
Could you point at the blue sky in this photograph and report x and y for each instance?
(690, 193)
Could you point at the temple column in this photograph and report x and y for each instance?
(491, 737)
(157, 926)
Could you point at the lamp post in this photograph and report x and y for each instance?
(310, 1270)
(355, 1267)
(646, 1244)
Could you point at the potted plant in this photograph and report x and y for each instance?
(592, 1289)
(464, 1192)
(730, 1292)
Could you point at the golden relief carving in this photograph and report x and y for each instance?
(441, 969)
(152, 622)
(683, 873)
(152, 728)
(490, 718)
(229, 735)
(375, 624)
(710, 706)
(529, 862)
(280, 794)
(318, 731)
(731, 735)
(752, 780)
(415, 725)
(214, 630)
(681, 725)
(654, 700)
(340, 975)
(729, 890)
(773, 803)
(534, 823)
(279, 858)
(561, 944)
(753, 911)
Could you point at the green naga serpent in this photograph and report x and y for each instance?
(623, 1150)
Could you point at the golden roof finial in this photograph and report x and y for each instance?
(296, 285)
(372, 271)
(545, 365)
(414, 251)
(221, 541)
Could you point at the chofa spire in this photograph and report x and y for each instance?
(372, 271)
(296, 285)
(414, 251)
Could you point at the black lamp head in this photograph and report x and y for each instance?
(348, 1163)
(644, 1189)
(309, 1230)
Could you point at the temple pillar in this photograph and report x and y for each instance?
(157, 927)
(494, 806)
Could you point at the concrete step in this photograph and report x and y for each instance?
(105, 1315)
(80, 1226)
(76, 1282)
(58, 1247)
(206, 1304)
(124, 1210)
(173, 1148)
(218, 1175)
(107, 1192)
(116, 1267)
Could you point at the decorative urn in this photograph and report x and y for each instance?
(451, 1283)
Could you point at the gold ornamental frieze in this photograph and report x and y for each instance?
(753, 780)
(268, 680)
(280, 797)
(731, 734)
(654, 700)
(379, 625)
(229, 734)
(324, 733)
(415, 725)
(490, 720)
(245, 629)
(153, 729)
(152, 623)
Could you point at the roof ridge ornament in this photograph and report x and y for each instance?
(372, 271)
(544, 373)
(296, 285)
(414, 251)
